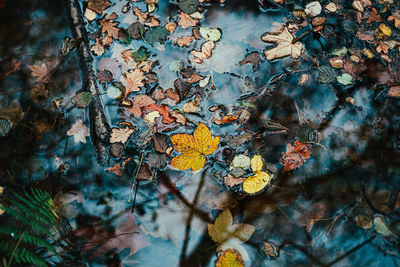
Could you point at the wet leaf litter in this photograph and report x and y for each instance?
(243, 145)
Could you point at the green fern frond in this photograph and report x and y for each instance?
(36, 212)
(27, 238)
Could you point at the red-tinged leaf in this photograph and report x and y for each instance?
(139, 102)
(295, 156)
(164, 112)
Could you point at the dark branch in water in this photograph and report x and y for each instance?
(99, 127)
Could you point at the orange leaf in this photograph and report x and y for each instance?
(184, 41)
(186, 21)
(163, 110)
(193, 148)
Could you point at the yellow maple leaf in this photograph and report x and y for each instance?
(230, 258)
(194, 148)
(259, 180)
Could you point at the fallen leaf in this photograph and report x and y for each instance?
(120, 134)
(79, 131)
(190, 107)
(98, 48)
(230, 258)
(285, 46)
(259, 180)
(118, 169)
(163, 111)
(186, 21)
(394, 91)
(373, 16)
(295, 156)
(109, 26)
(204, 52)
(232, 181)
(396, 17)
(170, 26)
(252, 58)
(194, 148)
(40, 72)
(184, 41)
(139, 102)
(133, 80)
(99, 5)
(229, 235)
(210, 34)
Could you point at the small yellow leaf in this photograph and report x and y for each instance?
(193, 148)
(256, 163)
(256, 183)
(386, 30)
(230, 258)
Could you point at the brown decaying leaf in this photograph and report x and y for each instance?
(285, 46)
(120, 134)
(108, 26)
(40, 72)
(160, 142)
(133, 80)
(396, 17)
(98, 47)
(79, 131)
(184, 41)
(145, 18)
(373, 16)
(252, 58)
(295, 156)
(145, 65)
(164, 112)
(232, 181)
(98, 5)
(139, 102)
(186, 20)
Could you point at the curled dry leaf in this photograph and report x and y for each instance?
(171, 26)
(204, 53)
(194, 148)
(120, 134)
(285, 46)
(190, 107)
(79, 131)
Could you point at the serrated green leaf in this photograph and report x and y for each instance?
(83, 99)
(156, 35)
